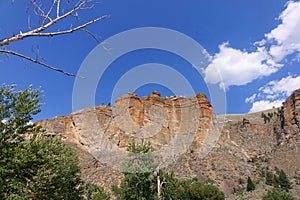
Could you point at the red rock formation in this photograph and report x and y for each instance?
(173, 125)
(291, 116)
(185, 134)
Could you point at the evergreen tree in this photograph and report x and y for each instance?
(283, 181)
(269, 178)
(250, 184)
(280, 181)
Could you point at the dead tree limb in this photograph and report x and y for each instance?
(37, 62)
(49, 18)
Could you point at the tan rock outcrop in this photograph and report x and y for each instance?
(173, 125)
(187, 138)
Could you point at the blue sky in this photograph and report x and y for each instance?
(254, 45)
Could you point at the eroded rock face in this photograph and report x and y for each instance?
(290, 120)
(287, 132)
(188, 138)
(173, 125)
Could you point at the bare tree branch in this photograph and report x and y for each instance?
(38, 62)
(91, 34)
(37, 8)
(57, 8)
(48, 14)
(49, 17)
(28, 22)
(20, 36)
(71, 30)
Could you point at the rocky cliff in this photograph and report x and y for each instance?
(187, 138)
(100, 134)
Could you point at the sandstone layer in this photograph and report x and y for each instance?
(173, 125)
(187, 138)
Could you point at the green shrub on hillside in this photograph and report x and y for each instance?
(280, 181)
(94, 192)
(278, 194)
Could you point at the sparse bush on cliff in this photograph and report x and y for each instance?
(250, 184)
(267, 117)
(283, 181)
(278, 194)
(279, 181)
(269, 178)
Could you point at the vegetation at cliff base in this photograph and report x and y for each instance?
(158, 184)
(34, 165)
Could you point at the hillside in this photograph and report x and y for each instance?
(188, 138)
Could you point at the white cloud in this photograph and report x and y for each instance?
(287, 33)
(273, 93)
(264, 105)
(251, 99)
(238, 67)
(283, 87)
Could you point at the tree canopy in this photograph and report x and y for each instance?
(34, 165)
(158, 184)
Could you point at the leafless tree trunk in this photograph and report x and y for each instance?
(158, 184)
(48, 18)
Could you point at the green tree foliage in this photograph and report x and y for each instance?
(94, 192)
(144, 185)
(140, 158)
(138, 182)
(278, 194)
(53, 169)
(198, 190)
(170, 186)
(269, 178)
(191, 188)
(283, 181)
(267, 117)
(250, 184)
(138, 186)
(16, 110)
(32, 164)
(280, 181)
